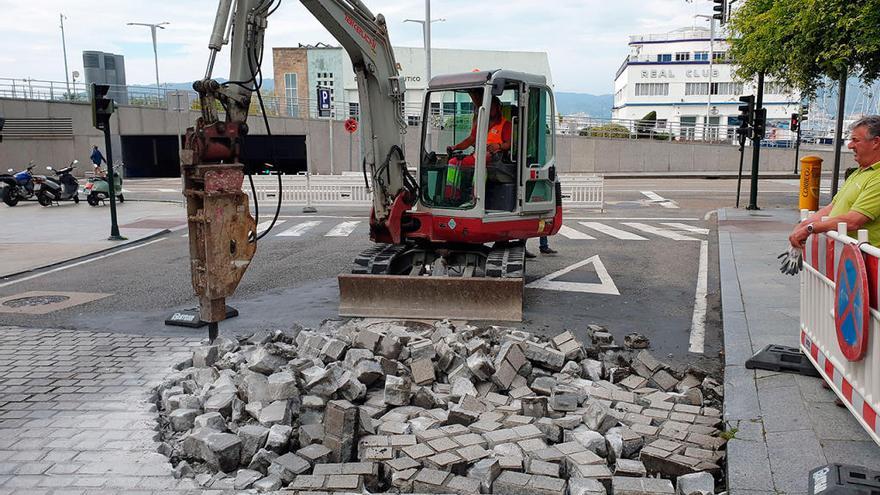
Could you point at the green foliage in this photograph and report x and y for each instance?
(798, 42)
(729, 434)
(606, 130)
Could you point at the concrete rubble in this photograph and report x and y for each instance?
(368, 406)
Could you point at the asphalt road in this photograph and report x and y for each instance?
(649, 241)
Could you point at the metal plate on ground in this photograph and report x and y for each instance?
(391, 296)
(190, 317)
(43, 302)
(840, 479)
(782, 358)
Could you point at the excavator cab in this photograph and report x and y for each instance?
(504, 120)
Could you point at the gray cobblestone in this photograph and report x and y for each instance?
(75, 412)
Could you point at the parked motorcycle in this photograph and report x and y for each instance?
(98, 189)
(62, 187)
(19, 186)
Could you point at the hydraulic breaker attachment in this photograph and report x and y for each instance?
(404, 296)
(221, 232)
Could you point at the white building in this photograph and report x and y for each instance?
(299, 70)
(670, 74)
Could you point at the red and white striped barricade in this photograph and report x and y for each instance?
(840, 320)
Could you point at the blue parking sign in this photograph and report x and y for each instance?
(323, 99)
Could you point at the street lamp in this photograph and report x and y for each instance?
(64, 48)
(711, 59)
(155, 53)
(426, 36)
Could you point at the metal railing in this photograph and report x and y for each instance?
(578, 191)
(775, 137)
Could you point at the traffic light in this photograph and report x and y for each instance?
(795, 122)
(805, 110)
(720, 9)
(102, 106)
(760, 125)
(2, 123)
(746, 111)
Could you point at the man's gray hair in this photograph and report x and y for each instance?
(869, 122)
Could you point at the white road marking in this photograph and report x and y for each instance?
(619, 234)
(605, 286)
(299, 229)
(167, 190)
(83, 262)
(574, 234)
(656, 198)
(185, 235)
(654, 219)
(343, 229)
(698, 322)
(709, 214)
(661, 232)
(262, 226)
(687, 228)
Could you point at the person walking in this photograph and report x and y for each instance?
(858, 202)
(97, 159)
(543, 248)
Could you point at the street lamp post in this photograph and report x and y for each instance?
(153, 27)
(64, 48)
(711, 60)
(426, 38)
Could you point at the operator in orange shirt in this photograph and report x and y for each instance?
(497, 140)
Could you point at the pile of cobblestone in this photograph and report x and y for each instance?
(372, 407)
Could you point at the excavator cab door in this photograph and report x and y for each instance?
(538, 180)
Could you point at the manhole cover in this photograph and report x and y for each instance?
(34, 301)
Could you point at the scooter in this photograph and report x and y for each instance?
(61, 188)
(98, 189)
(23, 185)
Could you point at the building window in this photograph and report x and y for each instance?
(701, 56)
(682, 56)
(435, 108)
(775, 88)
(664, 57)
(466, 107)
(661, 124)
(291, 94)
(618, 97)
(719, 56)
(354, 110)
(652, 89)
(449, 108)
(414, 120)
(702, 89)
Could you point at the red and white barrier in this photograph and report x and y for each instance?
(855, 379)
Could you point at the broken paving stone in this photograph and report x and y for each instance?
(212, 420)
(585, 486)
(397, 390)
(245, 478)
(641, 486)
(636, 341)
(278, 438)
(222, 451)
(183, 419)
(288, 466)
(253, 438)
(263, 361)
(695, 484)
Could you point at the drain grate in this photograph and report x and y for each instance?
(29, 301)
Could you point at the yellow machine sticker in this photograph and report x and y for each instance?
(541, 225)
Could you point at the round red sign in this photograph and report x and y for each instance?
(351, 125)
(852, 315)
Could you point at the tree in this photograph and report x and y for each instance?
(800, 42)
(645, 126)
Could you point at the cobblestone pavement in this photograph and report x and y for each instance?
(76, 415)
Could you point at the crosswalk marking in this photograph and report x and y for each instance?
(617, 233)
(343, 229)
(265, 225)
(658, 231)
(299, 229)
(666, 203)
(167, 190)
(688, 228)
(574, 234)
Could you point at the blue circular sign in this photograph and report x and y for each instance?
(852, 307)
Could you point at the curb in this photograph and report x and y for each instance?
(86, 256)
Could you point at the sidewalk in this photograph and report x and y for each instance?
(785, 424)
(76, 415)
(34, 236)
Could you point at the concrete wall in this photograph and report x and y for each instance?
(575, 154)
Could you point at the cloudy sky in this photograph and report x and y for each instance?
(586, 39)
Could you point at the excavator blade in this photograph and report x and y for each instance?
(396, 296)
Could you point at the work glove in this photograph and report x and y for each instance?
(792, 261)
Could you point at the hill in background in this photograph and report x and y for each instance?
(598, 106)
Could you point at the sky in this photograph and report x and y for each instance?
(586, 40)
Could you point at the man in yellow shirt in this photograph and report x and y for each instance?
(858, 202)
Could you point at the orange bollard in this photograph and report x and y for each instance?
(811, 176)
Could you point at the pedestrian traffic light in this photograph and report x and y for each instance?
(795, 122)
(759, 128)
(746, 111)
(720, 9)
(102, 106)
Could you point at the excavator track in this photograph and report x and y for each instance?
(494, 292)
